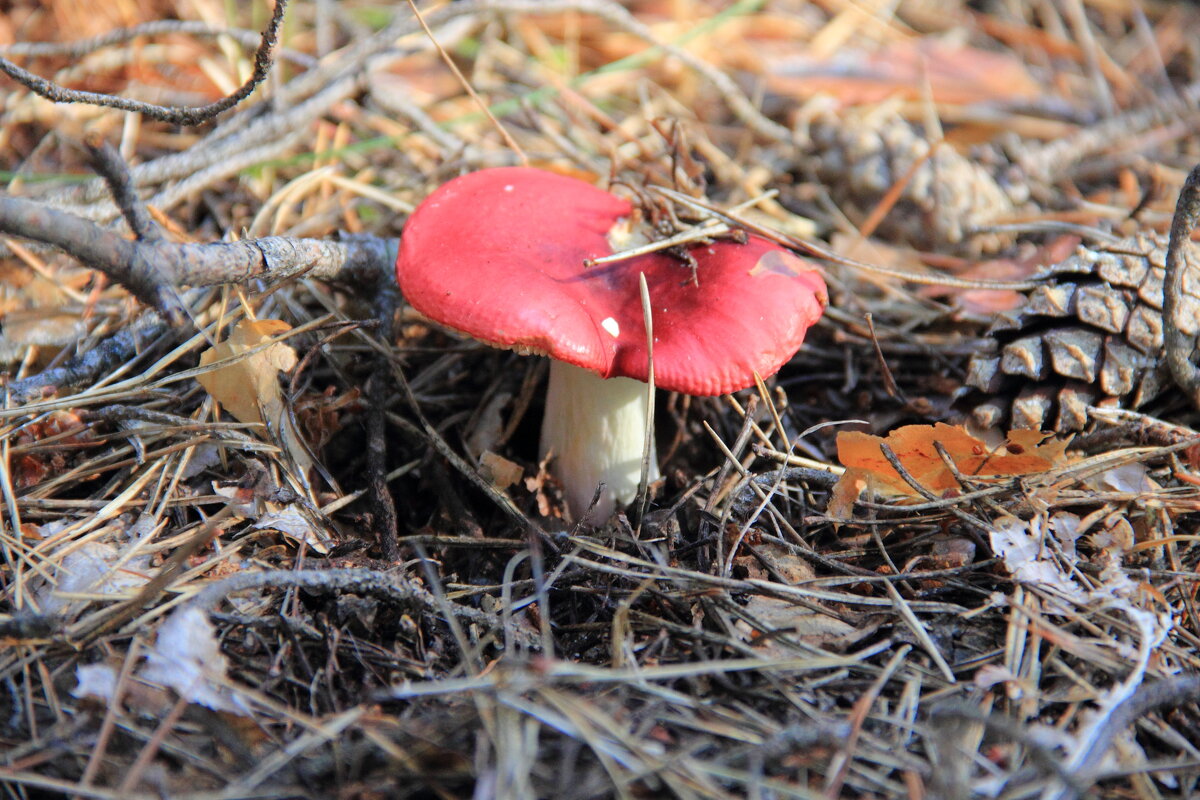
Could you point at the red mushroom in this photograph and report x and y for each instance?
(499, 254)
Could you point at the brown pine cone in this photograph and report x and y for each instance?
(945, 195)
(1091, 335)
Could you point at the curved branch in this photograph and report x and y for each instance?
(178, 115)
(159, 27)
(1177, 344)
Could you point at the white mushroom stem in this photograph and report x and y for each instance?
(596, 429)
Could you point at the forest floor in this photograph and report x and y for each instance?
(948, 551)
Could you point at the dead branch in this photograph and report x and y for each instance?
(152, 269)
(1173, 692)
(129, 342)
(82, 47)
(393, 587)
(177, 115)
(313, 93)
(112, 168)
(378, 389)
(1178, 345)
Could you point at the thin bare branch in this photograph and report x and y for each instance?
(178, 115)
(1179, 346)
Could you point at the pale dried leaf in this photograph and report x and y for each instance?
(90, 569)
(245, 386)
(293, 524)
(186, 657)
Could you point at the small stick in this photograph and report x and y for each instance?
(130, 342)
(889, 381)
(177, 115)
(147, 267)
(108, 164)
(1171, 692)
(908, 478)
(377, 394)
(1178, 345)
(731, 217)
(705, 230)
(462, 79)
(79, 48)
(710, 228)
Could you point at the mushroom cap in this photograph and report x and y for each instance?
(499, 254)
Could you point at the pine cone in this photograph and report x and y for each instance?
(1091, 335)
(860, 159)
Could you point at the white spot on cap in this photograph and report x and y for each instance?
(610, 325)
(508, 188)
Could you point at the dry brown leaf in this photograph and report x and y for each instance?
(1023, 453)
(252, 383)
(986, 302)
(782, 616)
(956, 74)
(499, 471)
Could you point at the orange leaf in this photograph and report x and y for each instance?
(1024, 453)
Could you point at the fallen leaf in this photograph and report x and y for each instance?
(1029, 560)
(92, 569)
(499, 471)
(778, 616)
(293, 524)
(1024, 453)
(249, 388)
(954, 74)
(246, 386)
(186, 657)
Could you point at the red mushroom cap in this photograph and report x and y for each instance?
(499, 254)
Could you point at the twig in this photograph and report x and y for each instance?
(700, 233)
(1178, 345)
(1171, 692)
(466, 84)
(30, 625)
(813, 248)
(374, 583)
(148, 268)
(312, 94)
(112, 168)
(908, 478)
(1037, 751)
(822, 478)
(82, 47)
(177, 115)
(386, 301)
(128, 343)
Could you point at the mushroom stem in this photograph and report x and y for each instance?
(596, 428)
